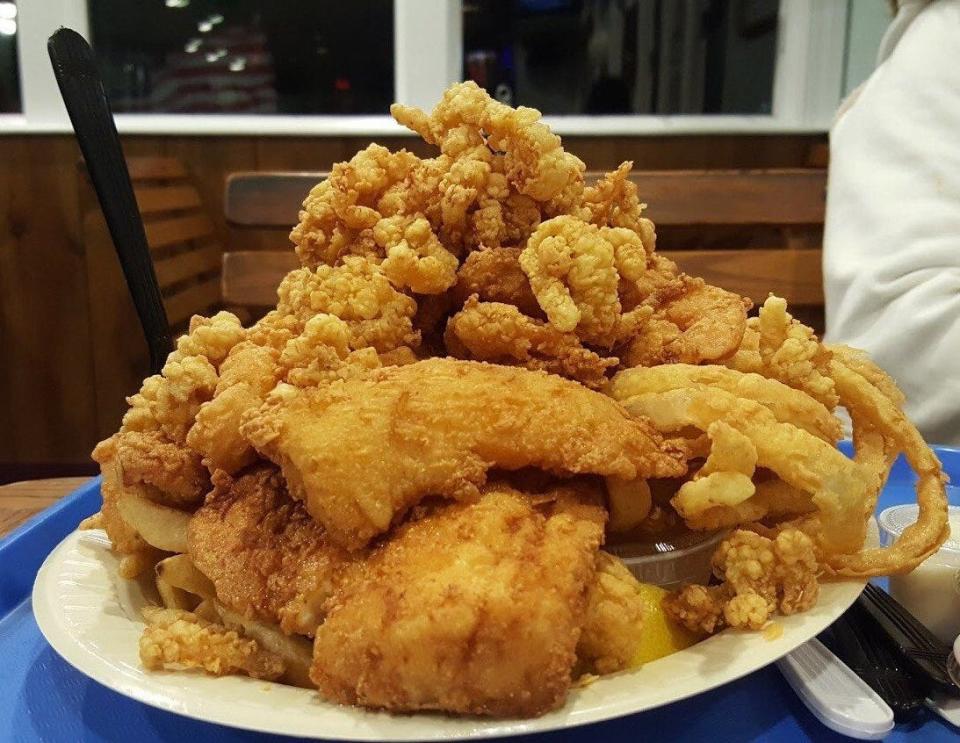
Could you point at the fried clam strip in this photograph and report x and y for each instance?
(492, 331)
(723, 484)
(415, 257)
(868, 402)
(777, 346)
(574, 269)
(533, 159)
(839, 486)
(759, 576)
(787, 404)
(612, 202)
(434, 428)
(356, 212)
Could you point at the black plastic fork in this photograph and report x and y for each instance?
(82, 90)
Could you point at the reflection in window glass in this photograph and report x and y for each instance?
(624, 56)
(9, 74)
(245, 56)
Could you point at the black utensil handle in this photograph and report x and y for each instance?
(82, 90)
(918, 646)
(861, 644)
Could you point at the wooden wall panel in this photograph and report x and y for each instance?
(53, 408)
(118, 350)
(46, 374)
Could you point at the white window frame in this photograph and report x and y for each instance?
(807, 86)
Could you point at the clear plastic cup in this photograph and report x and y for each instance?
(932, 591)
(667, 564)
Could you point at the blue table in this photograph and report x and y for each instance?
(44, 699)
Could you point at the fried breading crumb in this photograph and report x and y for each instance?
(176, 640)
(586, 680)
(698, 608)
(746, 611)
(92, 522)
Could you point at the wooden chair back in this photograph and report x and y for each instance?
(180, 234)
(786, 203)
(186, 257)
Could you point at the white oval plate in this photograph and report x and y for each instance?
(91, 617)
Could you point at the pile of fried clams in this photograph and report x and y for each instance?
(395, 486)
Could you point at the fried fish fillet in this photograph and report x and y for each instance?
(469, 607)
(361, 452)
(266, 557)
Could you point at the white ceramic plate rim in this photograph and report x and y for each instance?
(91, 618)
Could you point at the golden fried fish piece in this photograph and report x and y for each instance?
(472, 608)
(361, 452)
(266, 557)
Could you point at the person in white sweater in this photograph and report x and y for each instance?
(892, 235)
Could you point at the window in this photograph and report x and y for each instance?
(624, 56)
(324, 67)
(9, 73)
(245, 56)
(866, 26)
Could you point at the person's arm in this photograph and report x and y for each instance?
(892, 235)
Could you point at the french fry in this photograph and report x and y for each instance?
(180, 572)
(160, 526)
(629, 502)
(95, 521)
(139, 562)
(206, 610)
(173, 598)
(296, 651)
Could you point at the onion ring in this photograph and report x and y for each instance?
(918, 541)
(788, 405)
(839, 486)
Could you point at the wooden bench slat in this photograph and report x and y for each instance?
(734, 197)
(184, 265)
(795, 275)
(155, 168)
(156, 199)
(267, 199)
(251, 277)
(675, 197)
(194, 300)
(165, 232)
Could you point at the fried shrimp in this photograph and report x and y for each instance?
(493, 331)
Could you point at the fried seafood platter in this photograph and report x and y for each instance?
(395, 487)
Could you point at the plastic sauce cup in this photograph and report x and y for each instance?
(670, 564)
(932, 591)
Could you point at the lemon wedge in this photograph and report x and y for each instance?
(660, 636)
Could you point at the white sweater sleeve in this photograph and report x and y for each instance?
(892, 233)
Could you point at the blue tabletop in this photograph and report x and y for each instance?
(44, 699)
